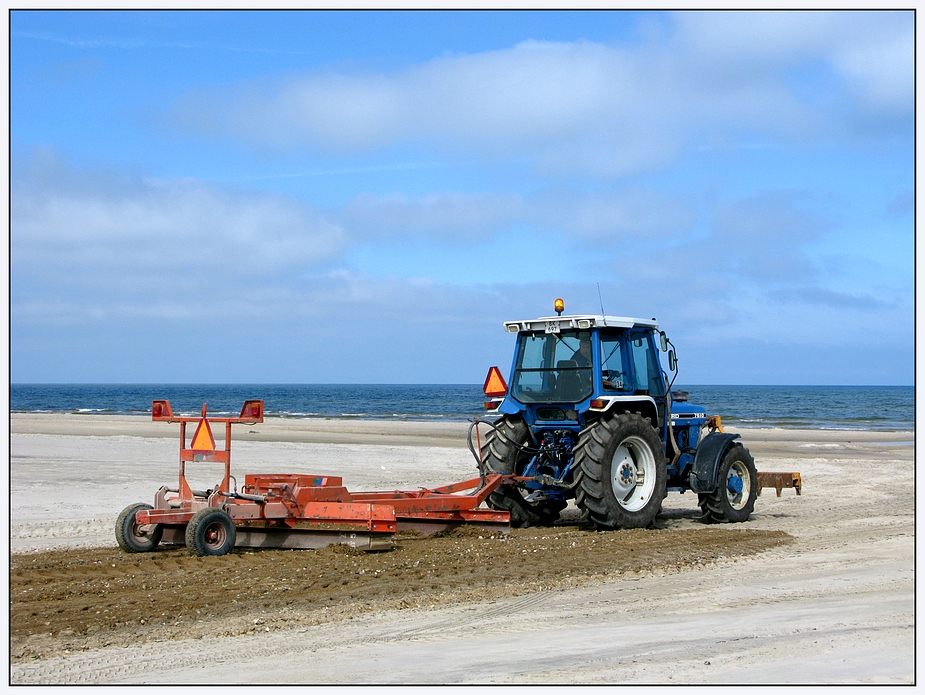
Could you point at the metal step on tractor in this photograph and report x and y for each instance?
(590, 415)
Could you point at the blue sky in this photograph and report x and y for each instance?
(356, 197)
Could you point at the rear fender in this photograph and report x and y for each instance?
(709, 454)
(644, 405)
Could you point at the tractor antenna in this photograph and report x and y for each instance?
(603, 315)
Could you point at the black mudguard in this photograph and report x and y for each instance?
(709, 454)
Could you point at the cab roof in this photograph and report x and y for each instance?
(578, 321)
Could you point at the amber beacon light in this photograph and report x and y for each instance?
(560, 307)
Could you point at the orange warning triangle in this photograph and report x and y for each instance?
(494, 383)
(203, 439)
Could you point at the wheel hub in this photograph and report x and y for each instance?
(628, 474)
(738, 485)
(141, 530)
(633, 473)
(214, 536)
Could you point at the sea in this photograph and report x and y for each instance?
(805, 407)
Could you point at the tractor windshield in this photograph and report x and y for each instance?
(553, 367)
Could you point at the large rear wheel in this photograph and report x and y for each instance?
(501, 453)
(621, 472)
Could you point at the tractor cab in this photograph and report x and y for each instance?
(567, 369)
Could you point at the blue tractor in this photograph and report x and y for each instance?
(590, 415)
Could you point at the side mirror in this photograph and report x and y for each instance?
(664, 338)
(672, 362)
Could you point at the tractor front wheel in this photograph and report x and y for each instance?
(621, 472)
(210, 532)
(133, 537)
(736, 488)
(501, 453)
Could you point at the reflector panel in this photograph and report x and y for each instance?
(203, 439)
(494, 383)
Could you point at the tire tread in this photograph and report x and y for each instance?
(594, 442)
(714, 507)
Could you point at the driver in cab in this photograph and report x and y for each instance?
(582, 355)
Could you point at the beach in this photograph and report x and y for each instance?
(834, 605)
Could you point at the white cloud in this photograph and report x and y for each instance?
(581, 106)
(881, 72)
(573, 105)
(873, 51)
(85, 232)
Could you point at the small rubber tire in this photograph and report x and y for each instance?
(210, 532)
(621, 472)
(128, 534)
(728, 503)
(500, 455)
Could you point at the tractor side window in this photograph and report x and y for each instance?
(646, 365)
(612, 370)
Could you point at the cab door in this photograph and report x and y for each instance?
(647, 370)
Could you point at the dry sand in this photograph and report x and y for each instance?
(834, 606)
